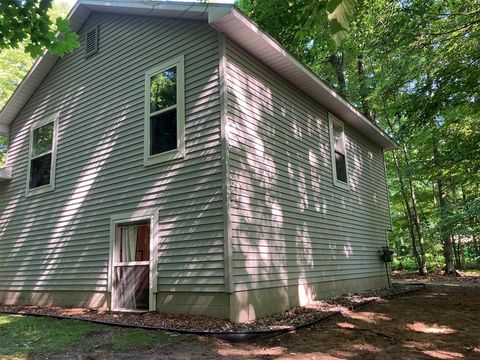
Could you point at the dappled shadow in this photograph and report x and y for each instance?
(295, 236)
(354, 336)
(54, 247)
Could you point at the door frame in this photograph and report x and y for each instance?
(150, 215)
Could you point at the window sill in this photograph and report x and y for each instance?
(39, 190)
(122, 310)
(163, 157)
(341, 184)
(5, 174)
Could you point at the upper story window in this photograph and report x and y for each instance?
(164, 112)
(339, 152)
(42, 155)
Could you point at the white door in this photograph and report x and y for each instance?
(131, 267)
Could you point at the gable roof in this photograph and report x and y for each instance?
(227, 19)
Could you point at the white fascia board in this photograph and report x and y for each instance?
(176, 9)
(250, 37)
(27, 87)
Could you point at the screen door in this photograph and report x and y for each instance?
(131, 267)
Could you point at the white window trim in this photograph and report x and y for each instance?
(331, 120)
(51, 186)
(179, 152)
(141, 215)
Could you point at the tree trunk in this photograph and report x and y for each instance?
(475, 244)
(363, 88)
(445, 236)
(471, 220)
(416, 218)
(461, 253)
(337, 64)
(416, 255)
(456, 252)
(408, 213)
(444, 208)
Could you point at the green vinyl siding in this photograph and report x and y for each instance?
(60, 240)
(290, 224)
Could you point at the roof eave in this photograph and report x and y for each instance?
(250, 37)
(227, 19)
(77, 17)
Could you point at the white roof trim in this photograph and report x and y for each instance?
(249, 36)
(227, 19)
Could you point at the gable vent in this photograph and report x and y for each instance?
(91, 42)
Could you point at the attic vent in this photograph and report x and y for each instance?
(91, 42)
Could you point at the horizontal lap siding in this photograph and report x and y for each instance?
(290, 225)
(60, 240)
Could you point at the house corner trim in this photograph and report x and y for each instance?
(227, 226)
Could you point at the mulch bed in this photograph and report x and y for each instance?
(290, 319)
(462, 277)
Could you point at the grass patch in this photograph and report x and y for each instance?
(21, 336)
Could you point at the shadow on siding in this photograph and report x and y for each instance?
(291, 227)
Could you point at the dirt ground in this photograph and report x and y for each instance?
(440, 322)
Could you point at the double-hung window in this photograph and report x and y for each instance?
(164, 112)
(338, 151)
(42, 156)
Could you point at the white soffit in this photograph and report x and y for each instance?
(227, 19)
(178, 9)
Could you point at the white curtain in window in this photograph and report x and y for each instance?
(129, 243)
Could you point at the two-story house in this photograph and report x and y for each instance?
(181, 160)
